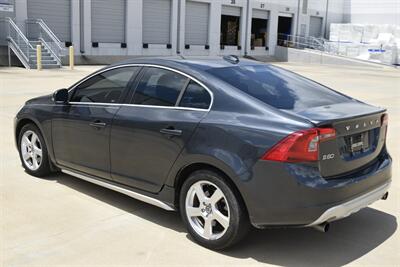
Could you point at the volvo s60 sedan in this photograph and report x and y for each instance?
(228, 142)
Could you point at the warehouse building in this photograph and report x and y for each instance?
(102, 31)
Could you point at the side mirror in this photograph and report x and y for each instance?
(61, 96)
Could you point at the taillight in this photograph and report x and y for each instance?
(300, 146)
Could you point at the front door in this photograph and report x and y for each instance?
(81, 128)
(148, 135)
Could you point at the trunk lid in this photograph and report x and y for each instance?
(360, 136)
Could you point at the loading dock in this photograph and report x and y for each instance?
(108, 21)
(316, 26)
(56, 14)
(157, 22)
(230, 26)
(259, 29)
(197, 23)
(285, 22)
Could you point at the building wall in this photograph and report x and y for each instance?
(82, 37)
(372, 11)
(7, 8)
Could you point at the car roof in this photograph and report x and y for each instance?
(201, 64)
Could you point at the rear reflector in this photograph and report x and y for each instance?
(385, 119)
(301, 146)
(385, 122)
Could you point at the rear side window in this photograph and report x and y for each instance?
(278, 88)
(159, 87)
(106, 87)
(195, 96)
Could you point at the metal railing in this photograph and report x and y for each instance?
(19, 43)
(360, 51)
(301, 42)
(37, 29)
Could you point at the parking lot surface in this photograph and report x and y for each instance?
(65, 221)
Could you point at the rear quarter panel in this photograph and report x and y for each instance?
(234, 142)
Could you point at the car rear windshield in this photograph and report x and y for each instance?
(278, 88)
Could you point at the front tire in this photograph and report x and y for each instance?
(33, 151)
(214, 216)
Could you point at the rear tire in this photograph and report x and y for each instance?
(214, 215)
(33, 151)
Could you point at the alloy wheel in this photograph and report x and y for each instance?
(31, 150)
(207, 210)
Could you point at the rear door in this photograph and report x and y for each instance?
(149, 133)
(81, 128)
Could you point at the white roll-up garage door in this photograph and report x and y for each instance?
(108, 21)
(260, 14)
(56, 14)
(315, 26)
(196, 26)
(157, 21)
(231, 11)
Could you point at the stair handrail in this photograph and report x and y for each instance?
(49, 39)
(317, 43)
(49, 32)
(18, 38)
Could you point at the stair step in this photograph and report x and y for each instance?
(47, 66)
(49, 62)
(44, 54)
(49, 57)
(43, 51)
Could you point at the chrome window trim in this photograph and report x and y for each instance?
(145, 106)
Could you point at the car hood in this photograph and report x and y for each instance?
(46, 99)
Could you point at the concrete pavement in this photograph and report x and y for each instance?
(64, 221)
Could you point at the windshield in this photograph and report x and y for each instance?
(278, 88)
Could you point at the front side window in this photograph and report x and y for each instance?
(195, 96)
(159, 87)
(106, 87)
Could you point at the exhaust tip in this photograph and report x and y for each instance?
(323, 227)
(385, 196)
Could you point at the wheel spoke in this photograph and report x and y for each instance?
(216, 196)
(207, 228)
(193, 211)
(199, 192)
(25, 156)
(26, 140)
(34, 139)
(221, 218)
(35, 164)
(37, 151)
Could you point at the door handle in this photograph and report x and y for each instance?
(98, 124)
(171, 131)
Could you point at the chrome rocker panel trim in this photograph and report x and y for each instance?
(124, 191)
(345, 209)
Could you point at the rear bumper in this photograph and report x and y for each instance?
(347, 208)
(281, 194)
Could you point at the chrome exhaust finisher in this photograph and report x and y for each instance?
(323, 227)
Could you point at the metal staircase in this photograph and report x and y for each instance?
(26, 49)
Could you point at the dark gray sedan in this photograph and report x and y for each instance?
(228, 142)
